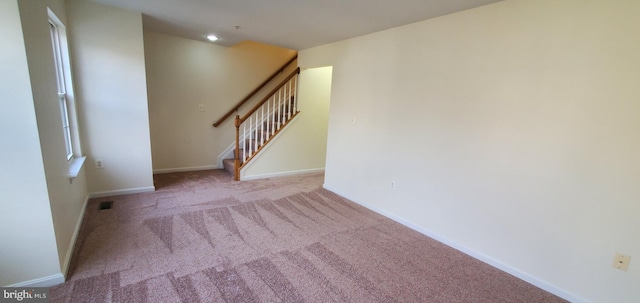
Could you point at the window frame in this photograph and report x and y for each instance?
(65, 94)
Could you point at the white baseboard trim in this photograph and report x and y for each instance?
(182, 169)
(49, 281)
(74, 238)
(282, 174)
(475, 254)
(120, 192)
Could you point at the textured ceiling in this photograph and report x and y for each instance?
(294, 24)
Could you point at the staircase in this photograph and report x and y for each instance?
(263, 122)
(262, 133)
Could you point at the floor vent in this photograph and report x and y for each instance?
(105, 205)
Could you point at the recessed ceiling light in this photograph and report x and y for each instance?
(212, 37)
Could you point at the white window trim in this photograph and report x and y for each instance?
(66, 96)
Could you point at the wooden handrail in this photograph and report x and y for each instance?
(253, 92)
(268, 96)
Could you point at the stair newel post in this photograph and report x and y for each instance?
(236, 162)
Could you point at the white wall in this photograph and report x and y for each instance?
(66, 199)
(512, 132)
(302, 146)
(108, 52)
(184, 73)
(28, 251)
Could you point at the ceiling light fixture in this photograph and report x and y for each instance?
(212, 38)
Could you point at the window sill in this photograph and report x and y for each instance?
(75, 165)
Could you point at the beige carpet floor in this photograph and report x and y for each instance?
(201, 237)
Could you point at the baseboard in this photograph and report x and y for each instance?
(120, 192)
(475, 254)
(183, 169)
(282, 174)
(49, 281)
(74, 238)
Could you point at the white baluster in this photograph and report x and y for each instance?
(289, 88)
(262, 127)
(250, 139)
(244, 142)
(289, 108)
(295, 93)
(274, 115)
(284, 106)
(256, 140)
(279, 109)
(286, 101)
(267, 120)
(283, 92)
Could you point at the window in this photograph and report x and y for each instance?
(62, 95)
(65, 95)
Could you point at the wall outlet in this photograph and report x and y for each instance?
(202, 108)
(621, 261)
(392, 185)
(99, 163)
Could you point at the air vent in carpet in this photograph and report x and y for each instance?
(105, 205)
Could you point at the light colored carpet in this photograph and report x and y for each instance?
(201, 237)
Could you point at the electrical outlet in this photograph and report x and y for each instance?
(99, 163)
(621, 261)
(201, 108)
(392, 185)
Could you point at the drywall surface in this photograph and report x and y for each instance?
(511, 132)
(193, 83)
(66, 198)
(107, 50)
(28, 250)
(302, 146)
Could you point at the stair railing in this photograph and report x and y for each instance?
(253, 92)
(263, 122)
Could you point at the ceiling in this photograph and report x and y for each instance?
(295, 24)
